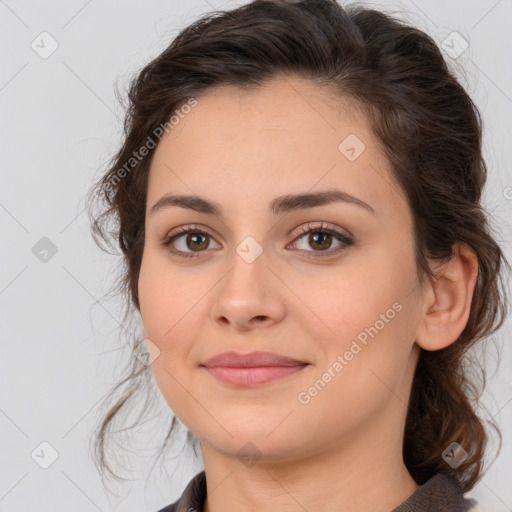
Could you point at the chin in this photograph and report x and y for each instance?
(250, 444)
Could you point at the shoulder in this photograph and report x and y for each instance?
(442, 492)
(477, 507)
(192, 498)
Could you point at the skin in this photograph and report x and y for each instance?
(343, 449)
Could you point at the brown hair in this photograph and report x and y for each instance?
(430, 130)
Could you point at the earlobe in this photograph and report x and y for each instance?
(448, 300)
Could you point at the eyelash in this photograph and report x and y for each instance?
(168, 240)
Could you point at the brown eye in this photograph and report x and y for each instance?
(320, 239)
(196, 241)
(187, 241)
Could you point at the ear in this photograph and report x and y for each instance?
(447, 302)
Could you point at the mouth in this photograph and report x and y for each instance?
(253, 369)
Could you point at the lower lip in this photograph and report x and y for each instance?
(252, 376)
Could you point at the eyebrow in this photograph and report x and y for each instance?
(279, 205)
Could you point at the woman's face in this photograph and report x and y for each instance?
(268, 277)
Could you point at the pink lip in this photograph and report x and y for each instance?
(252, 369)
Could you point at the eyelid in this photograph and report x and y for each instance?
(310, 226)
(187, 228)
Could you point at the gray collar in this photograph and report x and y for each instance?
(441, 493)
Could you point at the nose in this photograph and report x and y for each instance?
(249, 296)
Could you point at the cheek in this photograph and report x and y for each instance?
(341, 302)
(365, 315)
(374, 315)
(168, 298)
(363, 364)
(170, 307)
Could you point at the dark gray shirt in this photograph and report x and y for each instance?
(441, 493)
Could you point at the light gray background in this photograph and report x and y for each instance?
(60, 122)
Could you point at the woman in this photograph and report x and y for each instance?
(298, 199)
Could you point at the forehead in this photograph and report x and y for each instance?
(288, 135)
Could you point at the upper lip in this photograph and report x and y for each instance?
(252, 359)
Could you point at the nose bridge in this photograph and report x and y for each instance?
(247, 289)
(248, 264)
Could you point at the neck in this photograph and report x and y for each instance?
(357, 475)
